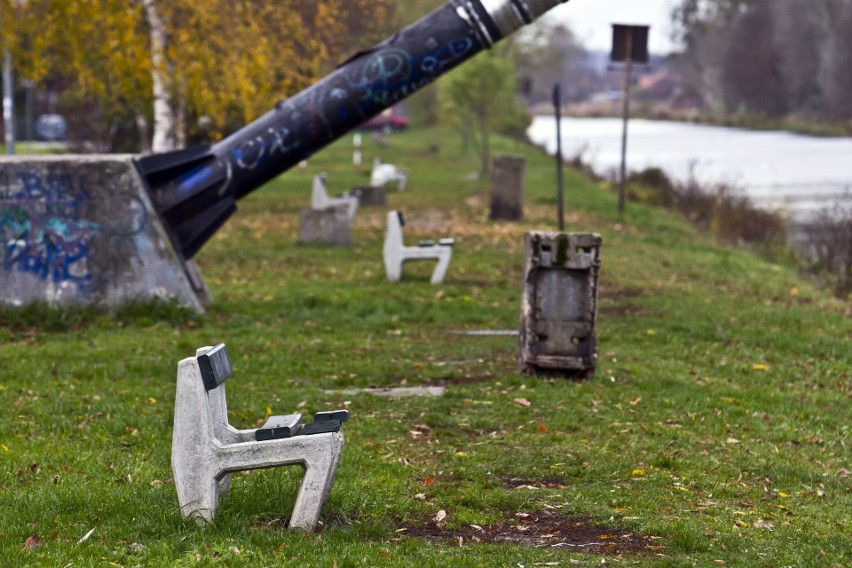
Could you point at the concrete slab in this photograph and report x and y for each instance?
(82, 230)
(396, 392)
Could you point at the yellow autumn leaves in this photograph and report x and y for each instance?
(227, 60)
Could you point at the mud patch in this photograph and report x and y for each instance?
(542, 529)
(625, 311)
(618, 292)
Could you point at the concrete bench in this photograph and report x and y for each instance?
(384, 174)
(206, 449)
(396, 253)
(320, 199)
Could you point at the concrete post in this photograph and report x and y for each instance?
(507, 188)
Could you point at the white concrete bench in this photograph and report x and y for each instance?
(396, 253)
(206, 449)
(320, 199)
(384, 174)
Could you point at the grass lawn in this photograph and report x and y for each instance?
(716, 432)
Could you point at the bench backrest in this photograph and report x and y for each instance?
(319, 192)
(393, 237)
(215, 366)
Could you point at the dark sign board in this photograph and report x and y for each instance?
(636, 37)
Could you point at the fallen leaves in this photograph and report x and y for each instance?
(419, 432)
(522, 402)
(32, 542)
(440, 516)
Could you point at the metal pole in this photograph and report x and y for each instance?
(627, 76)
(29, 86)
(8, 103)
(557, 104)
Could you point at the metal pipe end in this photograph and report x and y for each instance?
(511, 15)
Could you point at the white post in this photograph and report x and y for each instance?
(8, 103)
(356, 154)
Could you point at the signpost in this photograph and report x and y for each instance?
(629, 45)
(557, 104)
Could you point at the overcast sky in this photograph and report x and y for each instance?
(592, 20)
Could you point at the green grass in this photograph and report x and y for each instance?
(719, 420)
(41, 148)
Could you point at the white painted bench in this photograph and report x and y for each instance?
(396, 253)
(384, 174)
(320, 199)
(206, 449)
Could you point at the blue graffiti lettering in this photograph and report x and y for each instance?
(45, 229)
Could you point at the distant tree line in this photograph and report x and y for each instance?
(769, 57)
(129, 72)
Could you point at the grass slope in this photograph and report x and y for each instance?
(719, 422)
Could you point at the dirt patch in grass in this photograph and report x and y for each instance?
(625, 311)
(611, 305)
(542, 529)
(620, 292)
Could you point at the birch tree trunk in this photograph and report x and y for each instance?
(164, 114)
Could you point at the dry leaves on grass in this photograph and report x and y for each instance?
(32, 542)
(543, 529)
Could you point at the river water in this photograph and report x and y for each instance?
(779, 170)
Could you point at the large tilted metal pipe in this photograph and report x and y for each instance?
(195, 190)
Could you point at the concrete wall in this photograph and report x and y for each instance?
(81, 230)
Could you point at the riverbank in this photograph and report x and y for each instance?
(780, 170)
(649, 110)
(746, 186)
(716, 430)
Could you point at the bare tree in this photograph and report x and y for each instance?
(164, 113)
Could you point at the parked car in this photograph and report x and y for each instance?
(388, 121)
(51, 128)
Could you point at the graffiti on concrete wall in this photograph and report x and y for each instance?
(49, 229)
